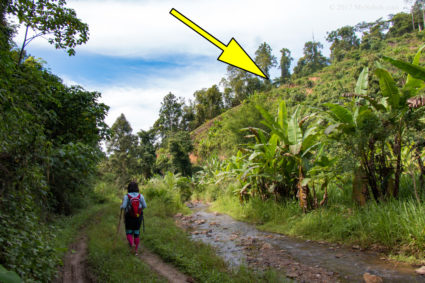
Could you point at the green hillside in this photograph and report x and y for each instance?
(221, 136)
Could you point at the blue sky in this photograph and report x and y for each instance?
(138, 52)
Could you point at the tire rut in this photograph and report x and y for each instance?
(74, 268)
(164, 269)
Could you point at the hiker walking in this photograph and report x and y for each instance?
(133, 205)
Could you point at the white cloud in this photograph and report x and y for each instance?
(141, 103)
(146, 29)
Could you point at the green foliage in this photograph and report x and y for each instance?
(26, 245)
(312, 61)
(264, 58)
(285, 64)
(174, 156)
(8, 276)
(32, 247)
(145, 152)
(52, 20)
(49, 149)
(240, 85)
(417, 12)
(132, 157)
(343, 39)
(376, 121)
(208, 104)
(373, 34)
(401, 24)
(170, 116)
(122, 161)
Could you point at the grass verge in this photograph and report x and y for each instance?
(68, 228)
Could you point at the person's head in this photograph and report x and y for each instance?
(133, 187)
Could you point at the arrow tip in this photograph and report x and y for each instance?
(234, 55)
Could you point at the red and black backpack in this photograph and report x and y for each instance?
(133, 208)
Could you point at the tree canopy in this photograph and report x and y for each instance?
(312, 61)
(52, 20)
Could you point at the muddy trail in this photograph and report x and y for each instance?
(74, 265)
(164, 269)
(306, 261)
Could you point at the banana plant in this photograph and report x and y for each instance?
(296, 141)
(267, 169)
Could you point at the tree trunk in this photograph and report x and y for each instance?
(422, 168)
(413, 21)
(325, 196)
(21, 53)
(360, 189)
(414, 186)
(314, 198)
(397, 152)
(303, 191)
(370, 170)
(423, 18)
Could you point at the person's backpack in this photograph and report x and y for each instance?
(133, 208)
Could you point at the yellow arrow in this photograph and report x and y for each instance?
(233, 54)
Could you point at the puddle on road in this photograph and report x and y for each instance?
(228, 237)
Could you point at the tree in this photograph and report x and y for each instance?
(122, 144)
(239, 85)
(285, 64)
(49, 19)
(179, 147)
(312, 61)
(343, 39)
(174, 155)
(145, 153)
(208, 104)
(227, 97)
(400, 25)
(170, 116)
(418, 14)
(122, 139)
(373, 34)
(188, 120)
(264, 58)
